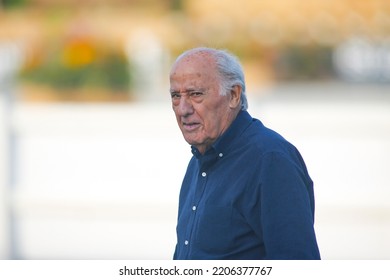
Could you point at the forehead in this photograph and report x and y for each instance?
(198, 66)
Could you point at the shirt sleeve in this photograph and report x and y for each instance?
(287, 208)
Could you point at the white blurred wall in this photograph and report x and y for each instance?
(96, 181)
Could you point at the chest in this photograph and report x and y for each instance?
(223, 182)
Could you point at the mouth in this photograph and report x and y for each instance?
(190, 126)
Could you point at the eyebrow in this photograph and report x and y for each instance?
(188, 90)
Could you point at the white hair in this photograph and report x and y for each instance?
(229, 69)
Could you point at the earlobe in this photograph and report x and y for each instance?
(235, 96)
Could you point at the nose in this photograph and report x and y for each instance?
(185, 108)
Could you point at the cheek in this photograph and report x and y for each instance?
(215, 121)
(210, 123)
(177, 116)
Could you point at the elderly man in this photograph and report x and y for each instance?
(246, 193)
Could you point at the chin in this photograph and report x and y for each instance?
(191, 141)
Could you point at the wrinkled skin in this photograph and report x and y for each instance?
(202, 113)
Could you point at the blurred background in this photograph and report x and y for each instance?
(91, 159)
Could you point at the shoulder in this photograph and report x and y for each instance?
(265, 144)
(264, 140)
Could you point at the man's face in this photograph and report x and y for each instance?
(201, 112)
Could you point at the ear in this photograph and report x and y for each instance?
(235, 97)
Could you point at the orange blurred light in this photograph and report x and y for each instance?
(78, 53)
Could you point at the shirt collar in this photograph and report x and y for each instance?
(222, 144)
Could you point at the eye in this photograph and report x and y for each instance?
(175, 95)
(196, 93)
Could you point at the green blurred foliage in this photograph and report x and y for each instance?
(176, 5)
(304, 63)
(7, 4)
(110, 72)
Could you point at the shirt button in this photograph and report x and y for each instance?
(204, 174)
(186, 242)
(194, 208)
(220, 155)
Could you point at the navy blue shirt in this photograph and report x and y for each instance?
(248, 197)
